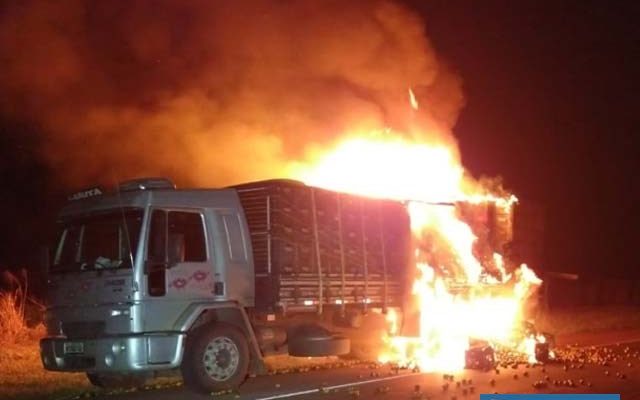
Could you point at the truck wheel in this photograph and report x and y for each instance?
(216, 358)
(319, 346)
(311, 340)
(116, 381)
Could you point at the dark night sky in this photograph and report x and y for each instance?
(551, 106)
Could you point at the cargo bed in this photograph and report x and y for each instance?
(315, 248)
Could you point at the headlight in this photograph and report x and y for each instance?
(118, 348)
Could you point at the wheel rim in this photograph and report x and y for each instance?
(221, 358)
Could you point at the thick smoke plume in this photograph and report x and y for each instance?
(214, 92)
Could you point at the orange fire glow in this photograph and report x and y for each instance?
(430, 179)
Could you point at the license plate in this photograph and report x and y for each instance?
(73, 348)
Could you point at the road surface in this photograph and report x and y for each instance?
(619, 374)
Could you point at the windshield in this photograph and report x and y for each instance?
(100, 241)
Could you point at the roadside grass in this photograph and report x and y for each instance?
(591, 319)
(24, 378)
(21, 373)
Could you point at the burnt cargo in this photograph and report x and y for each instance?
(315, 248)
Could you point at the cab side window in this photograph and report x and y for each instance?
(186, 233)
(176, 236)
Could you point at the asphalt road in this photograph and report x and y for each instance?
(620, 374)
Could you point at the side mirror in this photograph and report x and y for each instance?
(176, 249)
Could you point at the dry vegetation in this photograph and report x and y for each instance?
(24, 378)
(22, 375)
(583, 320)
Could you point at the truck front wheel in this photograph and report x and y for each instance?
(216, 358)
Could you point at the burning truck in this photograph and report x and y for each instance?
(211, 281)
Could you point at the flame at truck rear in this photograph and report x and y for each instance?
(459, 295)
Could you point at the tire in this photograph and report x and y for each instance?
(315, 341)
(202, 372)
(116, 381)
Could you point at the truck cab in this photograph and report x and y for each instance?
(133, 272)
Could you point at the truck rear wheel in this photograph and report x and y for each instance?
(315, 341)
(116, 380)
(216, 358)
(320, 346)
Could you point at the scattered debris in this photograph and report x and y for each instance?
(383, 389)
(539, 385)
(480, 357)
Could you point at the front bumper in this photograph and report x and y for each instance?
(122, 353)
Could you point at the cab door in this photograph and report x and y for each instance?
(179, 265)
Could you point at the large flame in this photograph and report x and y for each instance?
(430, 179)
